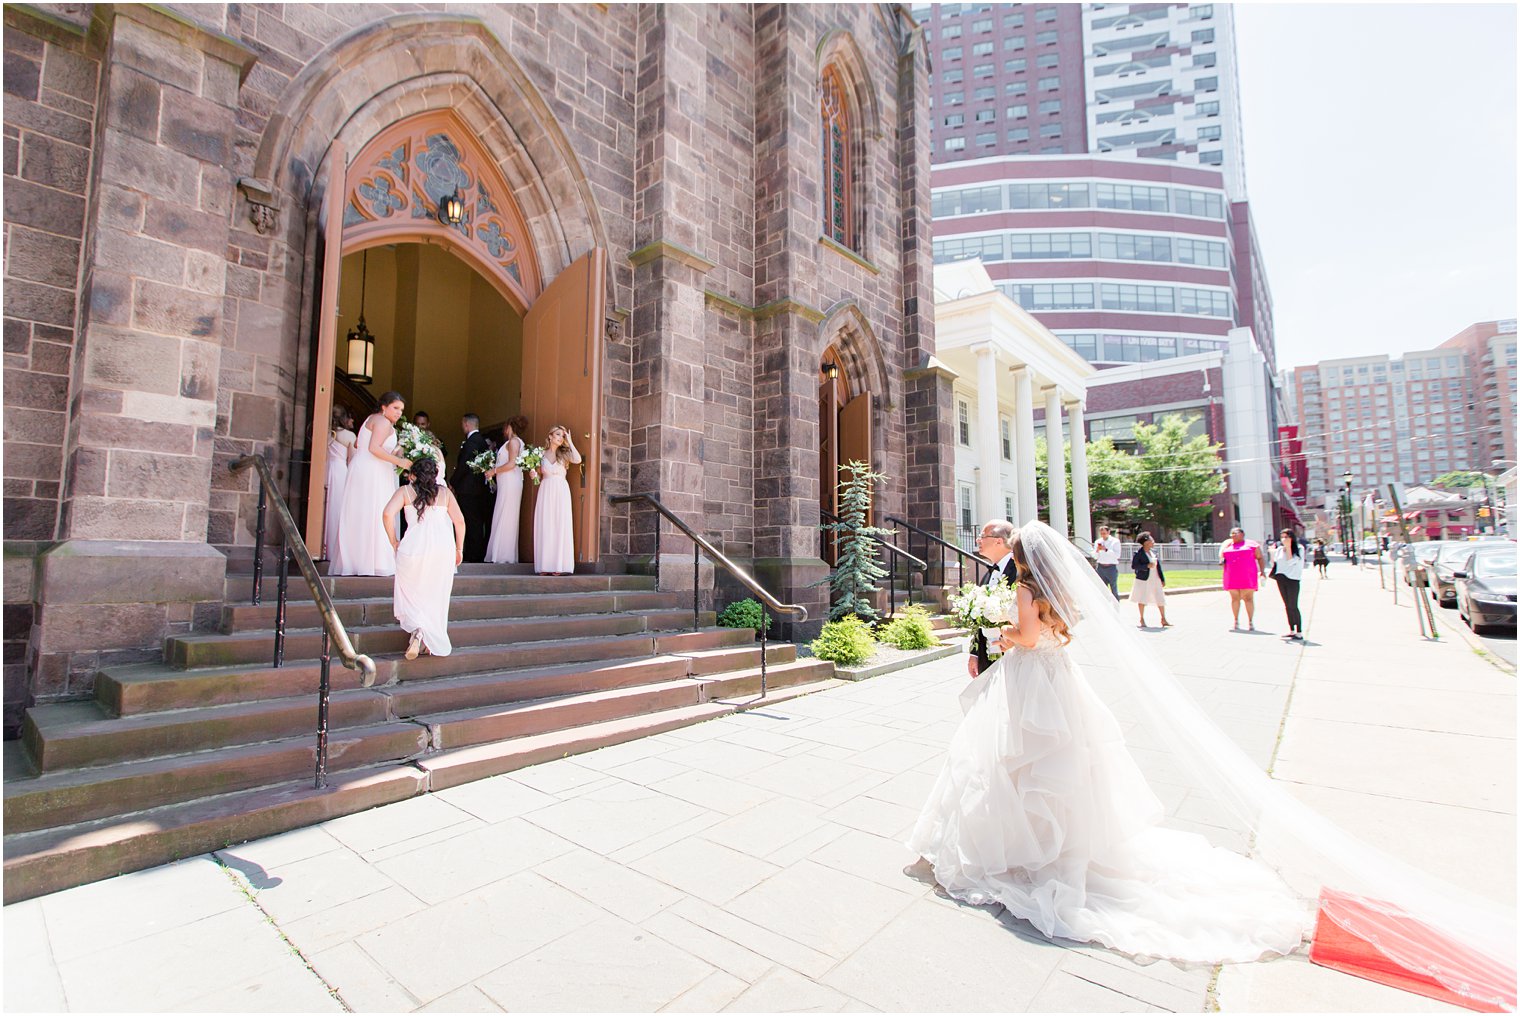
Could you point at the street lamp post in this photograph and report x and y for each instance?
(1349, 537)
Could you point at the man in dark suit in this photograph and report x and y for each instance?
(471, 490)
(993, 545)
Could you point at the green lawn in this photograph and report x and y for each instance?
(1177, 578)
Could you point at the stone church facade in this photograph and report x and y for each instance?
(747, 184)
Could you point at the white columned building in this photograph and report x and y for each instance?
(1009, 367)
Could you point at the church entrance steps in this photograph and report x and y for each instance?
(476, 583)
(189, 651)
(380, 610)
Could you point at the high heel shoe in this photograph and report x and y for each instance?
(414, 646)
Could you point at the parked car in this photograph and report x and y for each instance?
(1422, 554)
(1486, 587)
(1369, 547)
(1447, 560)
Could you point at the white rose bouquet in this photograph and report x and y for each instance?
(987, 608)
(529, 459)
(412, 443)
(482, 464)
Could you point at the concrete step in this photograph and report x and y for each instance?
(450, 768)
(380, 610)
(145, 688)
(239, 588)
(81, 795)
(48, 860)
(214, 650)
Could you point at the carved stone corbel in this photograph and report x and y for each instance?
(263, 203)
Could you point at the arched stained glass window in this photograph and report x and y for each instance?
(836, 160)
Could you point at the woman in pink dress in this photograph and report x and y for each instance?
(1242, 560)
(340, 444)
(553, 524)
(502, 547)
(364, 549)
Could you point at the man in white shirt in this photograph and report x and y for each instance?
(1106, 549)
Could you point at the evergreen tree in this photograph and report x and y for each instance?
(1175, 475)
(856, 570)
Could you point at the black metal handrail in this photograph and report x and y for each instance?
(891, 548)
(333, 631)
(699, 545)
(930, 539)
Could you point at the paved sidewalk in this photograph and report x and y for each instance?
(753, 863)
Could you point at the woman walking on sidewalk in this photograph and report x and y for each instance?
(1321, 559)
(1242, 560)
(1288, 570)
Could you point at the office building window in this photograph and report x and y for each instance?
(958, 248)
(1050, 295)
(1018, 134)
(1017, 111)
(1205, 60)
(1203, 36)
(1014, 20)
(967, 201)
(986, 140)
(1200, 203)
(1208, 109)
(1049, 84)
(984, 94)
(1016, 65)
(955, 144)
(1050, 130)
(1201, 252)
(1013, 42)
(1006, 433)
(982, 25)
(985, 70)
(982, 49)
(955, 120)
(966, 522)
(1042, 246)
(1211, 158)
(1210, 133)
(951, 31)
(1135, 197)
(1048, 195)
(1016, 88)
(1126, 296)
(954, 98)
(985, 115)
(1206, 85)
(1125, 247)
(1047, 38)
(1045, 15)
(951, 53)
(1206, 301)
(1048, 60)
(1051, 106)
(963, 416)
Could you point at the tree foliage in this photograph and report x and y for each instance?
(1174, 476)
(1108, 471)
(1458, 480)
(856, 572)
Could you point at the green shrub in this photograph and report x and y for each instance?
(745, 614)
(910, 629)
(846, 642)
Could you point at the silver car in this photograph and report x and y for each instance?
(1447, 561)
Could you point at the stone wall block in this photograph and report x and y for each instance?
(168, 408)
(199, 362)
(171, 310)
(68, 627)
(135, 361)
(156, 55)
(91, 517)
(134, 103)
(31, 204)
(56, 164)
(32, 461)
(43, 257)
(130, 253)
(104, 432)
(183, 225)
(254, 417)
(28, 389)
(195, 126)
(73, 74)
(148, 474)
(34, 426)
(146, 167)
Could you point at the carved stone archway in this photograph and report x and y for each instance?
(397, 182)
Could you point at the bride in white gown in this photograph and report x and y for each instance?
(426, 557)
(1041, 806)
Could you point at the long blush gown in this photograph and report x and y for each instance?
(502, 546)
(553, 525)
(1040, 807)
(337, 479)
(366, 550)
(425, 573)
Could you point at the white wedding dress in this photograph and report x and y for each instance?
(425, 573)
(1041, 808)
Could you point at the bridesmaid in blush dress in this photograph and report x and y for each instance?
(339, 446)
(553, 523)
(502, 547)
(426, 557)
(371, 482)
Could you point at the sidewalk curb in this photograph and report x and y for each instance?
(1457, 629)
(926, 656)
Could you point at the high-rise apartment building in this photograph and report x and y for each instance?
(1407, 420)
(1149, 81)
(1162, 83)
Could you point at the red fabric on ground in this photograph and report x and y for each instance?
(1337, 947)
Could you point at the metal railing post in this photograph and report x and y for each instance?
(696, 583)
(323, 692)
(765, 623)
(659, 524)
(258, 548)
(279, 609)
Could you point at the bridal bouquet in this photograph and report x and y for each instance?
(412, 442)
(530, 458)
(987, 608)
(482, 464)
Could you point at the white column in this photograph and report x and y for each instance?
(1081, 509)
(1028, 506)
(1055, 458)
(989, 485)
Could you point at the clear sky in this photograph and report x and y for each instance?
(1380, 164)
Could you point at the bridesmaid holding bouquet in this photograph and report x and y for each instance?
(553, 523)
(502, 547)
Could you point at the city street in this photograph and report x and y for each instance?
(753, 863)
(1501, 645)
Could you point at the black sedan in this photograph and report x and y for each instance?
(1442, 570)
(1486, 587)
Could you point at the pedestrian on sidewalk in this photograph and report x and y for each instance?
(1243, 564)
(1288, 571)
(1149, 579)
(1321, 559)
(1106, 552)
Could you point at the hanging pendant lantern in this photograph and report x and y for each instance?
(451, 209)
(361, 344)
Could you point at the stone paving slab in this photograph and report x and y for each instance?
(755, 862)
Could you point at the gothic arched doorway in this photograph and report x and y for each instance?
(425, 186)
(844, 432)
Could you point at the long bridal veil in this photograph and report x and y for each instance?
(1418, 921)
